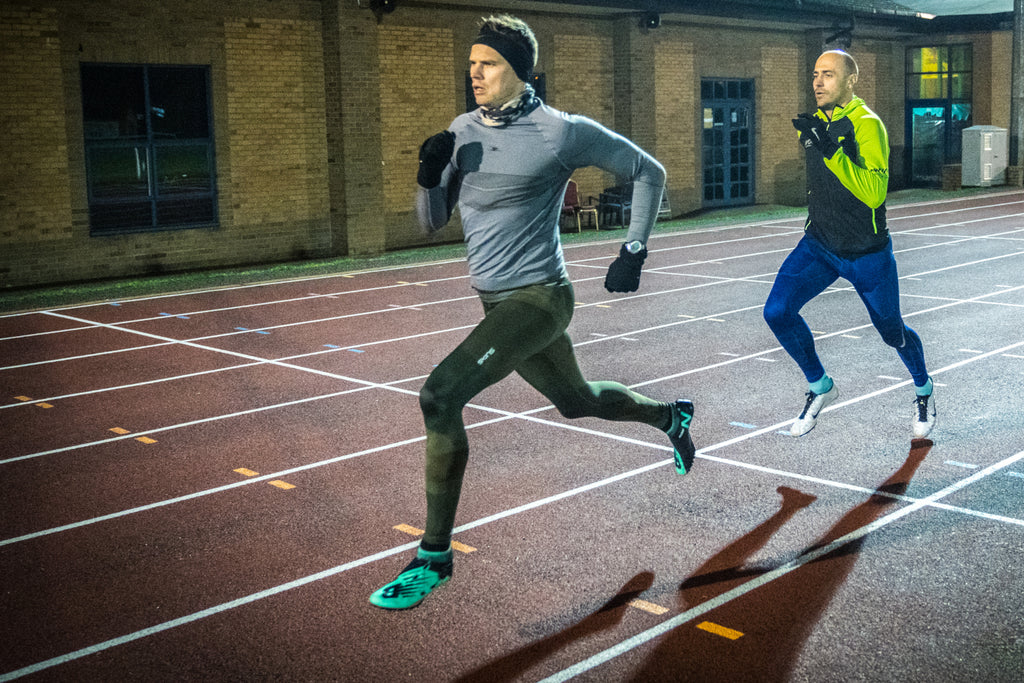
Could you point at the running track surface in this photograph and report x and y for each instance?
(208, 486)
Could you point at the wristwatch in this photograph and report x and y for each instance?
(634, 247)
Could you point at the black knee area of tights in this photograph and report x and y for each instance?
(441, 396)
(433, 402)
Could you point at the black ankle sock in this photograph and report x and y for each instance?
(434, 547)
(671, 419)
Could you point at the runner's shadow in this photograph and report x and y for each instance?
(772, 622)
(512, 665)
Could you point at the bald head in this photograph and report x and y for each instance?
(846, 59)
(835, 74)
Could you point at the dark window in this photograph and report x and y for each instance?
(148, 147)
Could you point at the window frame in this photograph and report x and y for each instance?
(120, 211)
(954, 61)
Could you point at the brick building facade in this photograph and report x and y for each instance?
(317, 109)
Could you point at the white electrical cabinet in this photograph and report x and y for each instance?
(985, 153)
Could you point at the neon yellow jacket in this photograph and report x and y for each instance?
(846, 193)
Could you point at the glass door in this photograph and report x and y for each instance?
(928, 144)
(727, 142)
(935, 132)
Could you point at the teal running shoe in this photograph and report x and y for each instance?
(422, 575)
(679, 435)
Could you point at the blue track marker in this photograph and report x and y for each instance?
(744, 425)
(332, 346)
(357, 351)
(966, 465)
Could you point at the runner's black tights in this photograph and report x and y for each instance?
(523, 333)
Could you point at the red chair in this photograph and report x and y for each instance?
(571, 206)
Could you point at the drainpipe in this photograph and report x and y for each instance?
(1017, 90)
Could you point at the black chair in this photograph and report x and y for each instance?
(614, 205)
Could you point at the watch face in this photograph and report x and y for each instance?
(634, 247)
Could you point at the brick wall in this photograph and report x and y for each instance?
(275, 135)
(677, 132)
(34, 195)
(581, 83)
(417, 100)
(780, 93)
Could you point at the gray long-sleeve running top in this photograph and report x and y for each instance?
(508, 183)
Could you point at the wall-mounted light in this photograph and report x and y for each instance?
(650, 20)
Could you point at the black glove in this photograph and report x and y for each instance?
(624, 272)
(841, 131)
(814, 133)
(435, 153)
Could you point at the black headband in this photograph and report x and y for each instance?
(518, 55)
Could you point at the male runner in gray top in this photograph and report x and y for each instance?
(506, 165)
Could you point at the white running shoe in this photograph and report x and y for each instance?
(924, 415)
(809, 416)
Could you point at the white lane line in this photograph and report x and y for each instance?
(331, 349)
(188, 619)
(256, 285)
(650, 634)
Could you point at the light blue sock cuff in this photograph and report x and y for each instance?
(823, 385)
(926, 390)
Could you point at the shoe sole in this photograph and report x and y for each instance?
(684, 461)
(919, 434)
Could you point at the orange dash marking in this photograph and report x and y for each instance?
(413, 531)
(711, 627)
(246, 472)
(281, 484)
(145, 439)
(119, 430)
